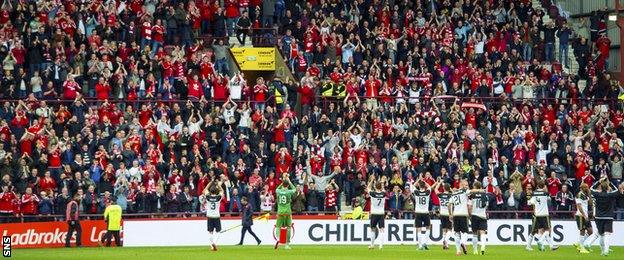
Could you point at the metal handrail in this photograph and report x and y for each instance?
(562, 214)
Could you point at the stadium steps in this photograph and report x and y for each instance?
(572, 63)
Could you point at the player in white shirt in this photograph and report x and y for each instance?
(211, 199)
(541, 219)
(445, 222)
(458, 212)
(478, 218)
(377, 212)
(582, 217)
(422, 198)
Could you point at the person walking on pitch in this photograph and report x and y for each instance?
(284, 192)
(247, 220)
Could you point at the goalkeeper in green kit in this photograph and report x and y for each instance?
(284, 193)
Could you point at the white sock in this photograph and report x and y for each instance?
(538, 237)
(381, 238)
(445, 237)
(210, 239)
(418, 238)
(475, 241)
(483, 241)
(582, 238)
(426, 238)
(464, 238)
(458, 241)
(591, 239)
(601, 242)
(546, 238)
(215, 237)
(373, 236)
(606, 242)
(530, 240)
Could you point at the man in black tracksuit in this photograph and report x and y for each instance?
(247, 221)
(605, 196)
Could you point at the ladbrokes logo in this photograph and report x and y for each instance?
(51, 234)
(32, 237)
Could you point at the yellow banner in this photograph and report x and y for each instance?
(250, 58)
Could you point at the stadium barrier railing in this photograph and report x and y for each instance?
(493, 214)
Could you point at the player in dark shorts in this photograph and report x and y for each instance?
(445, 222)
(211, 199)
(377, 212)
(583, 199)
(606, 196)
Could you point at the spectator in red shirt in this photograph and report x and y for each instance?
(102, 89)
(306, 98)
(29, 203)
(195, 89)
(47, 183)
(158, 36)
(331, 197)
(70, 88)
(553, 184)
(232, 13)
(260, 90)
(7, 200)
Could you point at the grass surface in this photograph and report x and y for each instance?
(319, 252)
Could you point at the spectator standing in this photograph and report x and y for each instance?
(564, 34)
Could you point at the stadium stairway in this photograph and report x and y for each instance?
(572, 64)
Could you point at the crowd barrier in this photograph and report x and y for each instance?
(307, 230)
(335, 232)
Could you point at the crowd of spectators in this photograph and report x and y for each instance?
(133, 101)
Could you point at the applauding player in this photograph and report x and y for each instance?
(377, 212)
(458, 211)
(211, 199)
(284, 193)
(582, 217)
(541, 219)
(605, 195)
(445, 222)
(422, 197)
(478, 218)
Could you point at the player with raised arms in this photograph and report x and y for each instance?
(583, 223)
(284, 194)
(445, 222)
(422, 197)
(458, 213)
(377, 211)
(478, 218)
(605, 196)
(211, 199)
(541, 219)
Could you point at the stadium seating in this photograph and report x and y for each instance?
(135, 101)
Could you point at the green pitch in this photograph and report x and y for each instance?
(305, 252)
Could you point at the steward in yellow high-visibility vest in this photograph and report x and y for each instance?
(327, 90)
(112, 216)
(340, 90)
